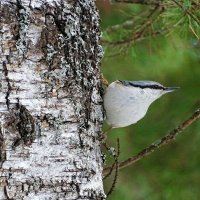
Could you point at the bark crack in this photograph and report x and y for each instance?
(6, 193)
(2, 151)
(5, 70)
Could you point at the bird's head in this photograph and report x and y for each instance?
(147, 90)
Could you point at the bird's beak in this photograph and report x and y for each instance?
(171, 89)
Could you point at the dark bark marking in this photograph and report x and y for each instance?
(25, 126)
(6, 193)
(60, 24)
(2, 151)
(5, 70)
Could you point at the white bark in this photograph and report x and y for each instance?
(50, 100)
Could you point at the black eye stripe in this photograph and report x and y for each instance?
(149, 86)
(127, 83)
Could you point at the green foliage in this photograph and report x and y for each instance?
(171, 58)
(141, 22)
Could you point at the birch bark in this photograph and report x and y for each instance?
(50, 100)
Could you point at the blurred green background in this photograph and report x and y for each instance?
(173, 171)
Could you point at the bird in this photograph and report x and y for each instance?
(126, 102)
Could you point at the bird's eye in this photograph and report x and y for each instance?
(157, 87)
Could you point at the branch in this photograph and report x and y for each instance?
(116, 170)
(136, 39)
(143, 2)
(157, 3)
(157, 144)
(139, 34)
(187, 12)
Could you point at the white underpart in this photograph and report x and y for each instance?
(125, 105)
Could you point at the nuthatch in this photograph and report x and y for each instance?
(126, 102)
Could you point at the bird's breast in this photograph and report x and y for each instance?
(123, 108)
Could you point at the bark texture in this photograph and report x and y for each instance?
(50, 100)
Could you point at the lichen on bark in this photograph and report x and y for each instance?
(50, 100)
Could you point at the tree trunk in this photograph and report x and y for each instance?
(50, 100)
